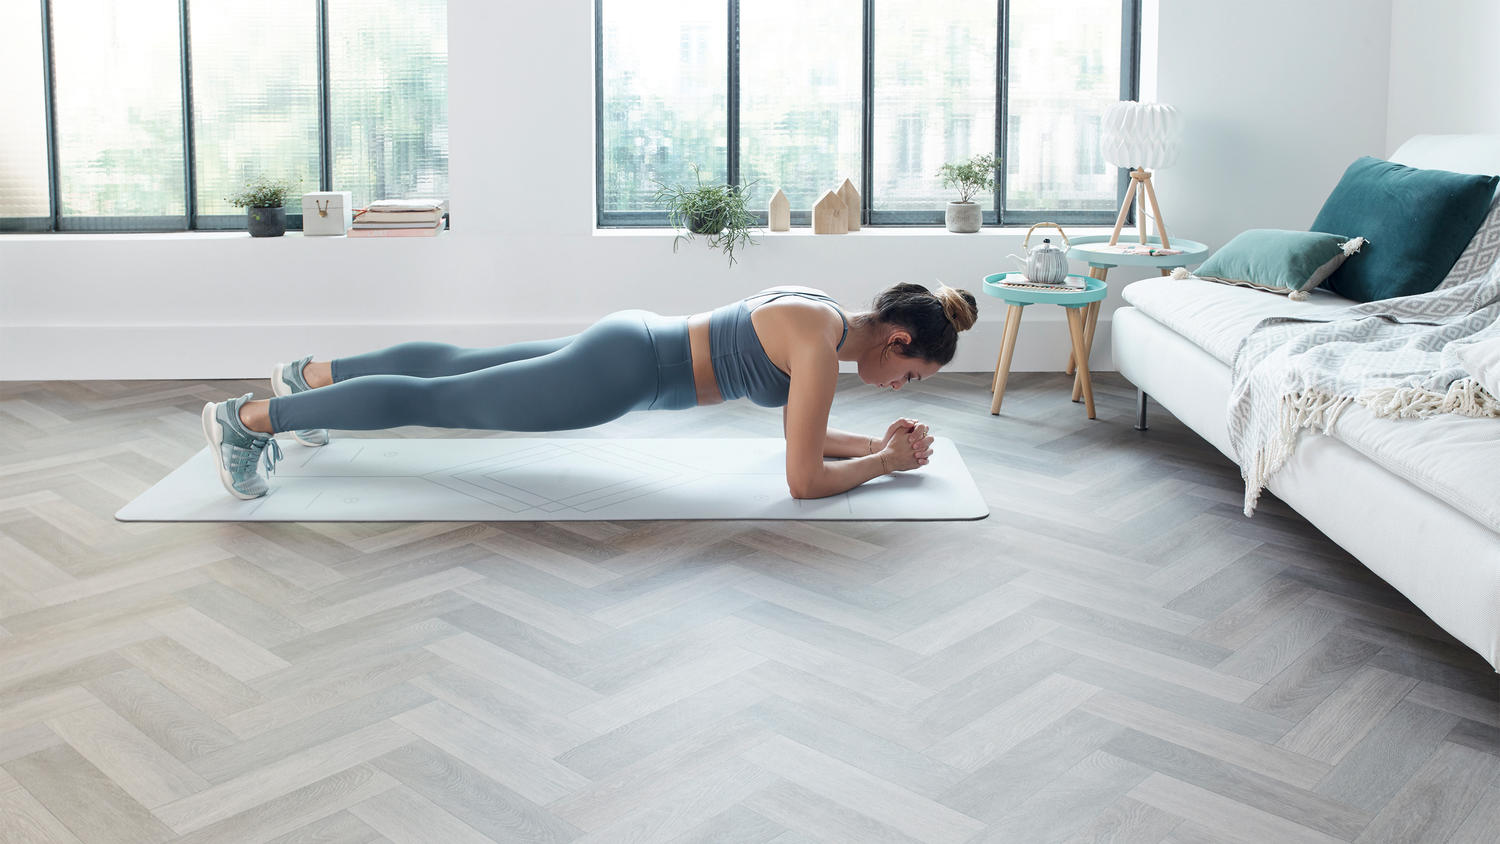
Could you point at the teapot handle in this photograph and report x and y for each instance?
(1025, 244)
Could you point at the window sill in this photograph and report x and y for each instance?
(650, 232)
(118, 236)
(867, 231)
(200, 236)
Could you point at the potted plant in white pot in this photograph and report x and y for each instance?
(264, 201)
(717, 210)
(971, 178)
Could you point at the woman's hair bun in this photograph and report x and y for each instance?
(958, 305)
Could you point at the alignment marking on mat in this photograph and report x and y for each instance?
(596, 450)
(495, 484)
(484, 494)
(523, 457)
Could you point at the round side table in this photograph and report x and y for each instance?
(1094, 249)
(1074, 300)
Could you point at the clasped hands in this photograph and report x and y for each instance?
(907, 445)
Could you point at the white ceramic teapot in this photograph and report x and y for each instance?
(1047, 263)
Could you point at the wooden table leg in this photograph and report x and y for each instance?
(1007, 348)
(1075, 332)
(1090, 322)
(1094, 272)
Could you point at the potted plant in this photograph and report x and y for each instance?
(716, 210)
(264, 202)
(970, 177)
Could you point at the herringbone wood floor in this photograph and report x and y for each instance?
(1114, 654)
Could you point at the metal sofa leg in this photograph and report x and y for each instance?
(1140, 410)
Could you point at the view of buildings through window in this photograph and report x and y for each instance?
(121, 146)
(119, 118)
(664, 71)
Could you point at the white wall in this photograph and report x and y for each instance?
(1279, 97)
(1444, 68)
(1274, 113)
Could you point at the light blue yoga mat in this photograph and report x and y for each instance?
(528, 479)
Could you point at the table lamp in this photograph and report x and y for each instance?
(1143, 137)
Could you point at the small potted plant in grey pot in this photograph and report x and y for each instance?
(717, 210)
(264, 201)
(971, 178)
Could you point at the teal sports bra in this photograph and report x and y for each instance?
(741, 365)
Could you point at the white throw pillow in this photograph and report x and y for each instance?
(1482, 360)
(1481, 253)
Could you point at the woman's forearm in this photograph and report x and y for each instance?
(838, 443)
(843, 475)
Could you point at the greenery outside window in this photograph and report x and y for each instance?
(797, 96)
(145, 116)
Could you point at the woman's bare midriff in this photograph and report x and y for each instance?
(703, 362)
(769, 327)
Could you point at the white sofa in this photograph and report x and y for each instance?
(1417, 501)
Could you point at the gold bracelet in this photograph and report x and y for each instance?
(872, 444)
(882, 463)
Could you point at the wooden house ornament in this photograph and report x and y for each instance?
(850, 195)
(830, 215)
(780, 212)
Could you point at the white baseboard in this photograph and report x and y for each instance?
(169, 352)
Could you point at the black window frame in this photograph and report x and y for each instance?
(190, 220)
(999, 215)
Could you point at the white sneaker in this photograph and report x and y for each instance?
(238, 451)
(286, 380)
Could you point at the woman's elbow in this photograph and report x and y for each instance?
(802, 487)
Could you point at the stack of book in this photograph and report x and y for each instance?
(400, 218)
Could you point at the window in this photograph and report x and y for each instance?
(1068, 71)
(24, 186)
(243, 119)
(145, 116)
(933, 72)
(798, 96)
(662, 116)
(119, 146)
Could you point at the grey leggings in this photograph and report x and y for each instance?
(629, 360)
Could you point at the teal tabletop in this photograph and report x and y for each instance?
(1094, 250)
(1068, 297)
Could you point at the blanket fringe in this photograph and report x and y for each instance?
(1464, 397)
(1298, 411)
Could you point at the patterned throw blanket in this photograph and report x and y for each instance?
(1395, 356)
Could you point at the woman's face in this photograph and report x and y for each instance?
(889, 370)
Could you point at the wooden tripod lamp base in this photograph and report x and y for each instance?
(1140, 192)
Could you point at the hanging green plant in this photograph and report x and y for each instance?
(717, 211)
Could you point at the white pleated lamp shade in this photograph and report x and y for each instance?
(1140, 135)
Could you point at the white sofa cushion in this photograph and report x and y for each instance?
(1450, 456)
(1216, 317)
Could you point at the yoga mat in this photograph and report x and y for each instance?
(527, 479)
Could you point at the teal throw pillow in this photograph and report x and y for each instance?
(1415, 222)
(1279, 261)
